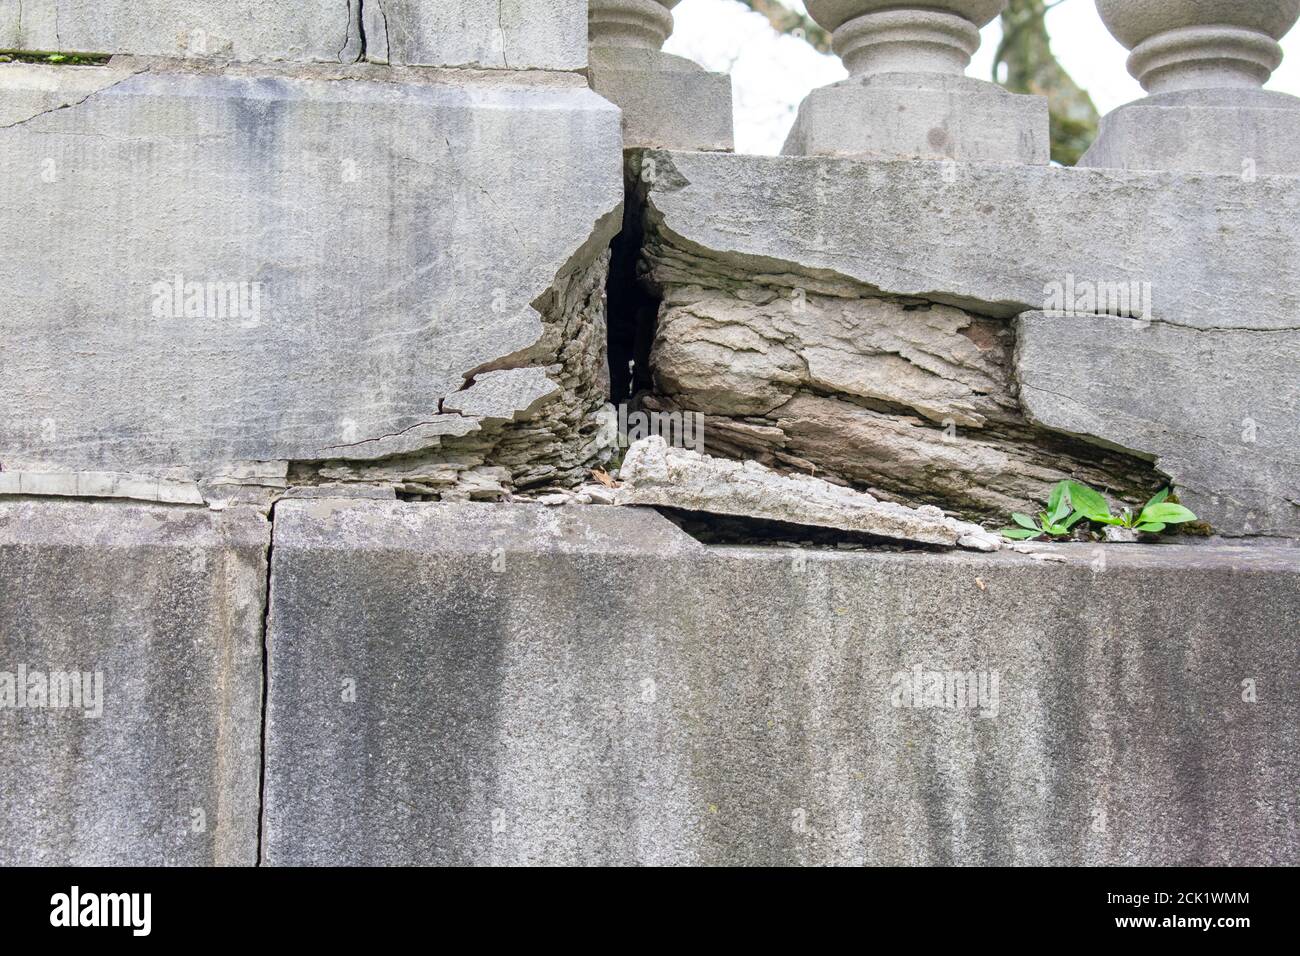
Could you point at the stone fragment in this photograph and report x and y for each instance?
(504, 395)
(162, 608)
(655, 474)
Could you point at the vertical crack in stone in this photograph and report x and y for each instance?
(633, 301)
(266, 684)
(501, 28)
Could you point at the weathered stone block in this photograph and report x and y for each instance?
(522, 35)
(1218, 252)
(667, 101)
(931, 118)
(653, 473)
(505, 684)
(161, 608)
(1216, 407)
(264, 265)
(1244, 133)
(305, 30)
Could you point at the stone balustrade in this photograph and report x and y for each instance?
(1204, 63)
(667, 101)
(907, 96)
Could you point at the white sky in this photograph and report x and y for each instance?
(771, 74)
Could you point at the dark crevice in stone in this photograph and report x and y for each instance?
(713, 529)
(632, 300)
(266, 684)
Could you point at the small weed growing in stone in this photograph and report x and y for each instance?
(1056, 522)
(1155, 516)
(1072, 502)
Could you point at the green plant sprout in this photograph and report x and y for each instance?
(1155, 516)
(1071, 502)
(1056, 522)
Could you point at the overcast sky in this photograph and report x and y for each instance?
(772, 74)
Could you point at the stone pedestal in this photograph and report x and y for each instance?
(907, 97)
(1204, 63)
(667, 101)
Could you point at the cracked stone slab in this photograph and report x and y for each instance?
(1218, 251)
(590, 685)
(1215, 408)
(489, 34)
(297, 268)
(239, 30)
(653, 473)
(504, 395)
(165, 605)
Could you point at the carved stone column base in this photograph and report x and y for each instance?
(1235, 131)
(922, 116)
(667, 101)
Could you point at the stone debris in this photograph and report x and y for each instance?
(655, 474)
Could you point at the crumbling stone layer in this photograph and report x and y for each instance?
(853, 320)
(910, 399)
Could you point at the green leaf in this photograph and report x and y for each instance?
(1056, 497)
(1075, 519)
(1166, 514)
(1155, 528)
(1159, 497)
(1019, 534)
(1090, 502)
(1025, 521)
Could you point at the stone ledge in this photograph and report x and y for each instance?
(649, 704)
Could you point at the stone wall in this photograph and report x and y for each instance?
(314, 542)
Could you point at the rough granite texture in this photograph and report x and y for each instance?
(883, 356)
(588, 685)
(167, 604)
(373, 212)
